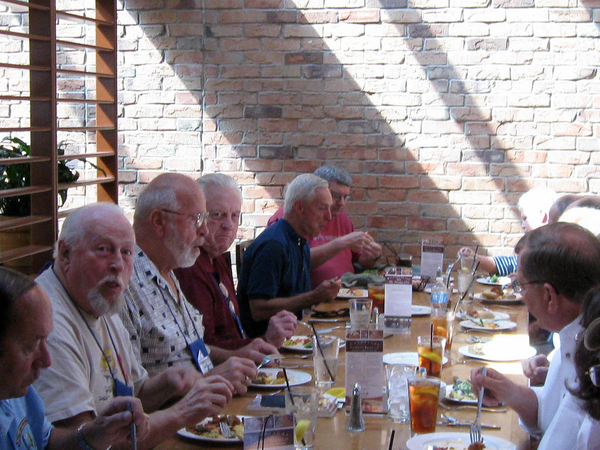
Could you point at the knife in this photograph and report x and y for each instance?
(468, 424)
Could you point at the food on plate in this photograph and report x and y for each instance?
(304, 342)
(477, 349)
(476, 446)
(489, 325)
(496, 293)
(269, 378)
(485, 315)
(451, 446)
(461, 391)
(210, 428)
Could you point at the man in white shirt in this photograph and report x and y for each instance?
(558, 264)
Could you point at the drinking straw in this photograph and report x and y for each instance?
(289, 389)
(474, 258)
(394, 252)
(468, 288)
(430, 347)
(392, 440)
(321, 352)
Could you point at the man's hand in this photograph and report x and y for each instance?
(536, 368)
(206, 398)
(113, 424)
(238, 371)
(180, 379)
(356, 240)
(327, 290)
(281, 327)
(498, 388)
(255, 350)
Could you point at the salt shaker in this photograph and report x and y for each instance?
(356, 421)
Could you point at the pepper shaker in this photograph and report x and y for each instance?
(356, 422)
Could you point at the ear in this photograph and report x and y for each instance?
(545, 219)
(299, 206)
(158, 222)
(64, 256)
(552, 299)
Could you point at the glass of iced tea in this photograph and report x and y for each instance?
(423, 395)
(431, 354)
(443, 325)
(377, 294)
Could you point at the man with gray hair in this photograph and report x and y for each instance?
(334, 250)
(208, 284)
(276, 267)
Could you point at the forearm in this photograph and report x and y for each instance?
(155, 392)
(367, 261)
(265, 309)
(487, 264)
(323, 253)
(525, 403)
(220, 355)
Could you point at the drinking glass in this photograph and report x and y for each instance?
(360, 312)
(443, 325)
(303, 403)
(465, 276)
(396, 379)
(325, 359)
(431, 354)
(377, 294)
(423, 395)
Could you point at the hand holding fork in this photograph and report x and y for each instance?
(476, 426)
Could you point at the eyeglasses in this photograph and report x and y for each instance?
(220, 216)
(594, 374)
(337, 197)
(518, 288)
(199, 218)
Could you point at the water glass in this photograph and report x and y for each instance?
(303, 403)
(464, 280)
(325, 359)
(423, 396)
(396, 380)
(360, 312)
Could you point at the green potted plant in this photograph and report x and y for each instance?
(18, 175)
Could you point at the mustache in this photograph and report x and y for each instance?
(111, 279)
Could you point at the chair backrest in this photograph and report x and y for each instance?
(240, 248)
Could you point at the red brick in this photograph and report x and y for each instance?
(257, 165)
(422, 196)
(387, 195)
(426, 224)
(251, 192)
(386, 222)
(360, 16)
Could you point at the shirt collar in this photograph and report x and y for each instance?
(293, 233)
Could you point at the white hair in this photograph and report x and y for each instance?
(588, 218)
(76, 225)
(155, 197)
(537, 201)
(220, 180)
(302, 188)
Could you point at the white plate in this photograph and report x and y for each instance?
(408, 358)
(500, 325)
(507, 301)
(295, 377)
(188, 434)
(460, 441)
(418, 310)
(497, 316)
(297, 347)
(352, 293)
(502, 281)
(498, 352)
(450, 399)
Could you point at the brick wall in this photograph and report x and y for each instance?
(444, 111)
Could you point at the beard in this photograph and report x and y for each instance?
(184, 255)
(100, 304)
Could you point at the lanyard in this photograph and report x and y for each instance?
(175, 318)
(229, 305)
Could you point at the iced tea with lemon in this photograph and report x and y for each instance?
(423, 395)
(431, 354)
(377, 294)
(443, 326)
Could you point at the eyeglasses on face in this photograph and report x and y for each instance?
(199, 218)
(221, 216)
(518, 287)
(336, 196)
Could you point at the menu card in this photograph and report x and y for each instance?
(432, 257)
(398, 300)
(364, 365)
(269, 432)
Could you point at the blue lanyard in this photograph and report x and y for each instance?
(229, 305)
(175, 318)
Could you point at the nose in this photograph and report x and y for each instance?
(328, 215)
(117, 263)
(44, 360)
(202, 230)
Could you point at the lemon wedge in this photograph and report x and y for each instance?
(300, 429)
(427, 391)
(432, 357)
(337, 392)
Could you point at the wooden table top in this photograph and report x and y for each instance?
(331, 432)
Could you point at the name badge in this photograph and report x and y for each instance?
(200, 356)
(122, 390)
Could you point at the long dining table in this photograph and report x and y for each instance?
(331, 432)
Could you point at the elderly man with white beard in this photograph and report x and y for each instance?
(167, 331)
(94, 359)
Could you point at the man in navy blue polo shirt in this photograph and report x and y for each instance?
(276, 267)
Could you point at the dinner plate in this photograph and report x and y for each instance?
(295, 377)
(499, 325)
(297, 344)
(418, 310)
(352, 293)
(497, 351)
(458, 441)
(188, 434)
(502, 281)
(456, 400)
(497, 316)
(408, 358)
(507, 301)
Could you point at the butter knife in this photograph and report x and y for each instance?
(468, 424)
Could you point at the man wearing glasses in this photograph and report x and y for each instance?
(558, 265)
(208, 284)
(165, 330)
(338, 246)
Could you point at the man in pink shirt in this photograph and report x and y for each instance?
(333, 252)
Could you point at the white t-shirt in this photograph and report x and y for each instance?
(79, 379)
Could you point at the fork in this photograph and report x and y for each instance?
(226, 431)
(267, 359)
(458, 408)
(476, 426)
